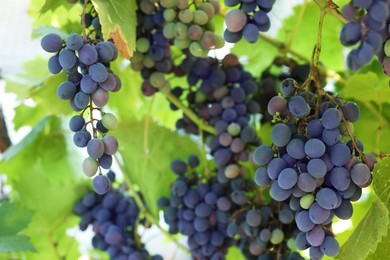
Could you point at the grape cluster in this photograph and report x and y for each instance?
(153, 57)
(267, 232)
(190, 25)
(114, 217)
(367, 25)
(221, 94)
(248, 20)
(87, 88)
(309, 165)
(201, 209)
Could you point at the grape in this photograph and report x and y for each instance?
(109, 84)
(76, 123)
(66, 90)
(253, 218)
(350, 34)
(286, 216)
(74, 42)
(317, 168)
(81, 138)
(287, 178)
(306, 201)
(331, 136)
(275, 166)
(351, 111)
(105, 161)
(195, 32)
(379, 11)
(327, 198)
(279, 194)
(316, 236)
(261, 177)
(298, 106)
(81, 100)
(101, 184)
(345, 210)
(179, 167)
(200, 17)
(301, 242)
(340, 179)
(95, 148)
(90, 166)
(109, 121)
(98, 72)
(281, 134)
(277, 236)
(288, 87)
(105, 51)
(54, 65)
(232, 2)
(251, 33)
(303, 221)
(331, 118)
(295, 149)
(265, 235)
(51, 42)
(339, 154)
(317, 214)
(360, 174)
(262, 155)
(232, 171)
(67, 59)
(235, 20)
(88, 54)
(100, 97)
(330, 247)
(314, 148)
(277, 104)
(306, 182)
(88, 85)
(363, 3)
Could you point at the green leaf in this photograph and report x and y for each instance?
(14, 218)
(382, 181)
(367, 234)
(367, 87)
(234, 253)
(15, 243)
(147, 153)
(119, 21)
(52, 5)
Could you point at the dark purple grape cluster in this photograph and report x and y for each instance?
(266, 232)
(221, 94)
(309, 165)
(250, 18)
(153, 57)
(367, 24)
(190, 25)
(114, 217)
(201, 209)
(87, 88)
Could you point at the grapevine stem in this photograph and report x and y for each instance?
(297, 24)
(83, 20)
(331, 8)
(188, 112)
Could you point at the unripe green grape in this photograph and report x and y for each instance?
(234, 129)
(277, 236)
(137, 66)
(343, 129)
(200, 17)
(166, 88)
(232, 171)
(195, 32)
(168, 3)
(208, 41)
(182, 44)
(180, 31)
(169, 30)
(306, 201)
(387, 48)
(186, 16)
(157, 79)
(90, 167)
(142, 45)
(137, 57)
(200, 97)
(216, 5)
(182, 4)
(220, 42)
(147, 7)
(148, 62)
(291, 244)
(197, 50)
(109, 121)
(169, 15)
(208, 9)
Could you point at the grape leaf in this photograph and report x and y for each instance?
(52, 5)
(118, 20)
(367, 234)
(14, 218)
(147, 153)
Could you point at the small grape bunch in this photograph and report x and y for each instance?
(114, 218)
(310, 166)
(367, 25)
(250, 18)
(87, 88)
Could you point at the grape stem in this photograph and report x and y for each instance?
(297, 24)
(191, 115)
(331, 8)
(83, 20)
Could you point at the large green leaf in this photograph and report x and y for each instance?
(52, 5)
(367, 234)
(14, 218)
(147, 150)
(119, 21)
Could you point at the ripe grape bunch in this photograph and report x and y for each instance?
(250, 18)
(221, 94)
(201, 209)
(309, 165)
(367, 25)
(87, 88)
(266, 232)
(190, 25)
(114, 217)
